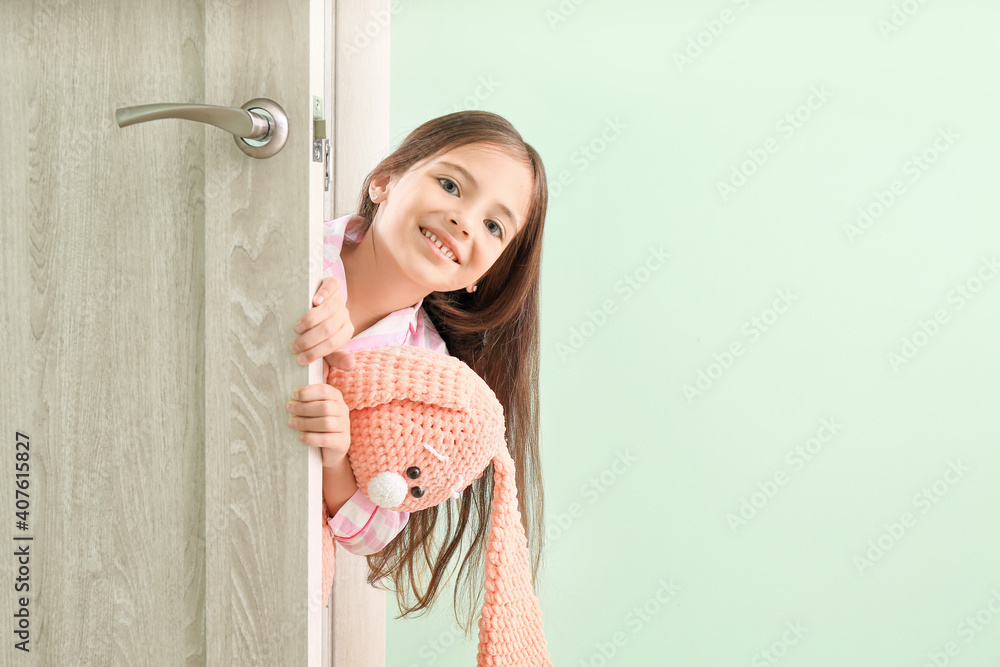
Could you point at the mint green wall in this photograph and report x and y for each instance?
(842, 376)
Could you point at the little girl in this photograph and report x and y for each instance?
(443, 253)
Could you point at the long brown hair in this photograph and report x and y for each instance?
(495, 331)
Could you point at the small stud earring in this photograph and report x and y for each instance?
(472, 289)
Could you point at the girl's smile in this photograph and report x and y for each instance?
(447, 252)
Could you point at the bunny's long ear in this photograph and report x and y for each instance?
(383, 374)
(510, 625)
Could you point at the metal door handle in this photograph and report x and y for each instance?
(260, 127)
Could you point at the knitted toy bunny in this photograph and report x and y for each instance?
(424, 426)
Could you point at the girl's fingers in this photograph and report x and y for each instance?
(332, 352)
(318, 425)
(332, 304)
(320, 417)
(333, 446)
(329, 287)
(322, 339)
(327, 299)
(340, 359)
(320, 391)
(325, 408)
(320, 327)
(325, 440)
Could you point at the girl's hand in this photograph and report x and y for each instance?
(322, 418)
(325, 328)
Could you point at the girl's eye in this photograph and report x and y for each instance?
(499, 228)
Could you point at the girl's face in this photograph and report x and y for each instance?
(473, 198)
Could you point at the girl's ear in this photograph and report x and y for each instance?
(379, 185)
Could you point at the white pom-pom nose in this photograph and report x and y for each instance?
(388, 489)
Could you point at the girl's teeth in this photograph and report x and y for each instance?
(448, 253)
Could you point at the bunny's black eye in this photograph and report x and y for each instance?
(416, 492)
(413, 472)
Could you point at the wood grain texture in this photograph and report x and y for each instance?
(152, 275)
(103, 298)
(361, 139)
(258, 234)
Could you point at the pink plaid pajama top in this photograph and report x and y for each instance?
(361, 526)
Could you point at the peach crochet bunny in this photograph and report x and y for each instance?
(424, 426)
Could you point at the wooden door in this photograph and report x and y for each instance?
(151, 278)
